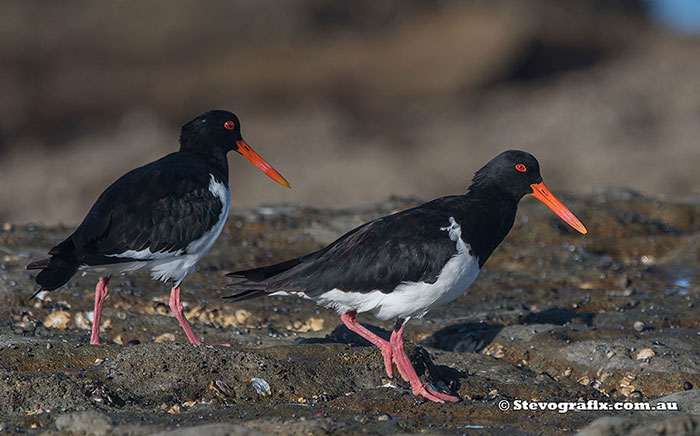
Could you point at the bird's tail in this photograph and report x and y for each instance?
(257, 283)
(246, 289)
(55, 272)
(265, 272)
(39, 264)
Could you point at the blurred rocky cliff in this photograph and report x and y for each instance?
(351, 101)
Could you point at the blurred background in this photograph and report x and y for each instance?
(353, 101)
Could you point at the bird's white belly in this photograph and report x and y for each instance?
(413, 299)
(174, 267)
(409, 299)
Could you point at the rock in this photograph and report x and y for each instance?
(89, 423)
(11, 340)
(688, 401)
(645, 353)
(607, 426)
(58, 319)
(82, 321)
(678, 425)
(683, 425)
(261, 386)
(639, 326)
(211, 430)
(165, 337)
(222, 389)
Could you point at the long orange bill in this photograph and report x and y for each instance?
(248, 153)
(540, 192)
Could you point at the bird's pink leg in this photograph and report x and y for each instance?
(176, 307)
(409, 373)
(383, 345)
(101, 291)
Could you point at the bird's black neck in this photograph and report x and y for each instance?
(215, 158)
(489, 214)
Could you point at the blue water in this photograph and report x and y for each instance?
(679, 15)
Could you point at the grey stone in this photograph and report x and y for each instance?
(688, 401)
(88, 423)
(673, 425)
(607, 426)
(212, 430)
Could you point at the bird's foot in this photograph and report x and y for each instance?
(433, 395)
(193, 339)
(409, 373)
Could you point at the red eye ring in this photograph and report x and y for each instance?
(521, 168)
(229, 125)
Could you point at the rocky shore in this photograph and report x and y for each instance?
(554, 316)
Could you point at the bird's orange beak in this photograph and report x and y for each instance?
(247, 152)
(540, 192)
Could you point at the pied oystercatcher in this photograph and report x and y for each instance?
(402, 265)
(163, 216)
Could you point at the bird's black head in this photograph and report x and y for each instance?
(513, 174)
(215, 133)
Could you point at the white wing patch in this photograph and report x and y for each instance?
(203, 244)
(146, 254)
(167, 265)
(455, 232)
(413, 299)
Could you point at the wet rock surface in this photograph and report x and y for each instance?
(554, 316)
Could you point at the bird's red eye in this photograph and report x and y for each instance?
(229, 125)
(521, 168)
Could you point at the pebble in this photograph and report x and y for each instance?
(222, 389)
(687, 386)
(165, 337)
(639, 326)
(645, 353)
(57, 319)
(261, 386)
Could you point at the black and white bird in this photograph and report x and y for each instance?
(401, 266)
(163, 216)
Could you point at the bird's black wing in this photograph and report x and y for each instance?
(409, 246)
(162, 207)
